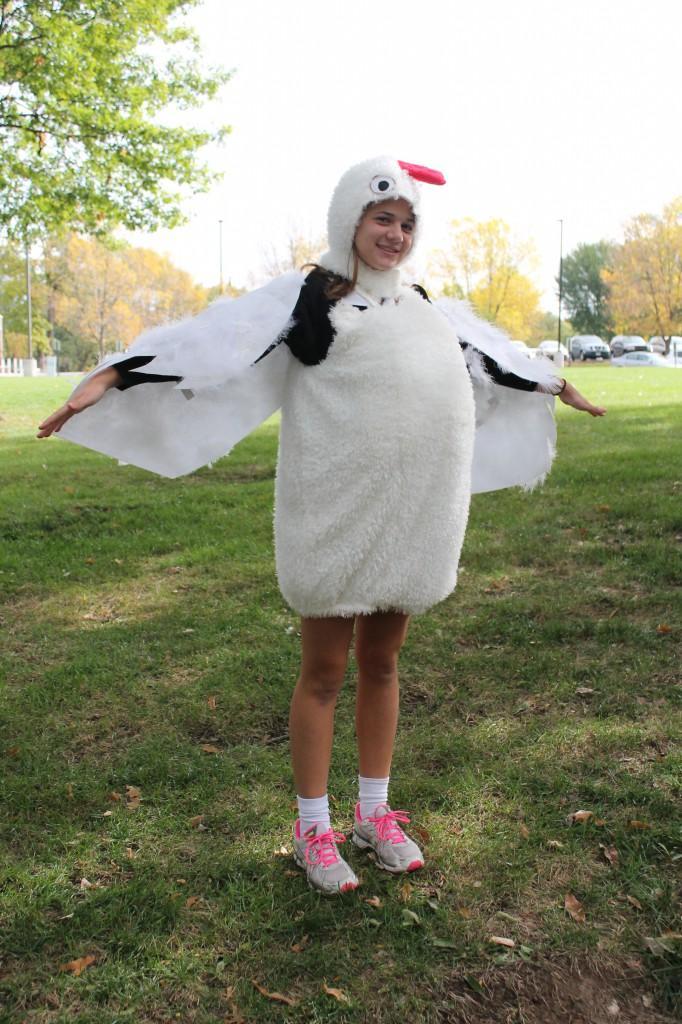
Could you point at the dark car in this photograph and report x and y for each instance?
(588, 346)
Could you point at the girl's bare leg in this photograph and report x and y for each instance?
(378, 639)
(325, 644)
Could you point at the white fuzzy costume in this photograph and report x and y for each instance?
(374, 471)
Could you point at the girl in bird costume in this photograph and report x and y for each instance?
(394, 411)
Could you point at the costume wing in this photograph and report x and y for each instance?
(515, 430)
(225, 392)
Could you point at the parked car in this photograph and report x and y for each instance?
(548, 348)
(657, 344)
(642, 359)
(522, 347)
(588, 346)
(623, 343)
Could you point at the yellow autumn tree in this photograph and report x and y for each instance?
(485, 264)
(161, 291)
(645, 280)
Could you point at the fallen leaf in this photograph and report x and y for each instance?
(410, 919)
(276, 997)
(107, 814)
(181, 881)
(444, 943)
(599, 822)
(299, 946)
(289, 873)
(610, 853)
(115, 797)
(663, 627)
(638, 824)
(613, 1009)
(130, 853)
(282, 852)
(584, 691)
(133, 797)
(635, 902)
(603, 508)
(192, 901)
(209, 748)
(500, 940)
(86, 884)
(675, 936)
(373, 901)
(76, 967)
(574, 908)
(580, 817)
(69, 791)
(53, 999)
(336, 993)
(524, 830)
(13, 751)
(212, 703)
(474, 984)
(196, 820)
(405, 892)
(421, 833)
(465, 912)
(554, 844)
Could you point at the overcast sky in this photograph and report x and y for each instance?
(534, 111)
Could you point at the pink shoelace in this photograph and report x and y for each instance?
(388, 829)
(325, 847)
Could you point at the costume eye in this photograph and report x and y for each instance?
(381, 184)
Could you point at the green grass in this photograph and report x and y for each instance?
(549, 682)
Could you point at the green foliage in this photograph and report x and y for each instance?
(585, 292)
(84, 85)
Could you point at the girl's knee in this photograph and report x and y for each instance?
(377, 663)
(323, 680)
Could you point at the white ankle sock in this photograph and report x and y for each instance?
(313, 811)
(372, 793)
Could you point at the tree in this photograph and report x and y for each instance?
(484, 264)
(646, 275)
(297, 251)
(84, 85)
(14, 308)
(585, 289)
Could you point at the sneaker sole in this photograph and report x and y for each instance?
(362, 844)
(340, 891)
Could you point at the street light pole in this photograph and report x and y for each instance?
(561, 277)
(28, 303)
(220, 253)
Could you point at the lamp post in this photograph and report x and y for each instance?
(29, 319)
(559, 360)
(220, 253)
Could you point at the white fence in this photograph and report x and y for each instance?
(11, 368)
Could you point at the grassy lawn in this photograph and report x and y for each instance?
(147, 662)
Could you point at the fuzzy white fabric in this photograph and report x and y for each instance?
(373, 476)
(358, 188)
(173, 429)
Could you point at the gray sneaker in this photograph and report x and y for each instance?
(316, 852)
(381, 832)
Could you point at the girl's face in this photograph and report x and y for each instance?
(383, 237)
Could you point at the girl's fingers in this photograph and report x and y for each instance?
(55, 422)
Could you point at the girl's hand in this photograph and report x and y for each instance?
(571, 396)
(85, 395)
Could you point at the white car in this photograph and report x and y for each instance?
(621, 344)
(522, 347)
(641, 359)
(548, 348)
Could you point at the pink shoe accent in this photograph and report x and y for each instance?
(388, 829)
(322, 845)
(348, 887)
(415, 865)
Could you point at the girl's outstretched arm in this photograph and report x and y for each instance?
(570, 395)
(87, 394)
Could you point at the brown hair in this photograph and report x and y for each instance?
(337, 287)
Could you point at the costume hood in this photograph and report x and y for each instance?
(372, 181)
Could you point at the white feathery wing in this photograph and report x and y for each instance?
(515, 430)
(224, 393)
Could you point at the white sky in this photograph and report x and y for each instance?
(535, 110)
